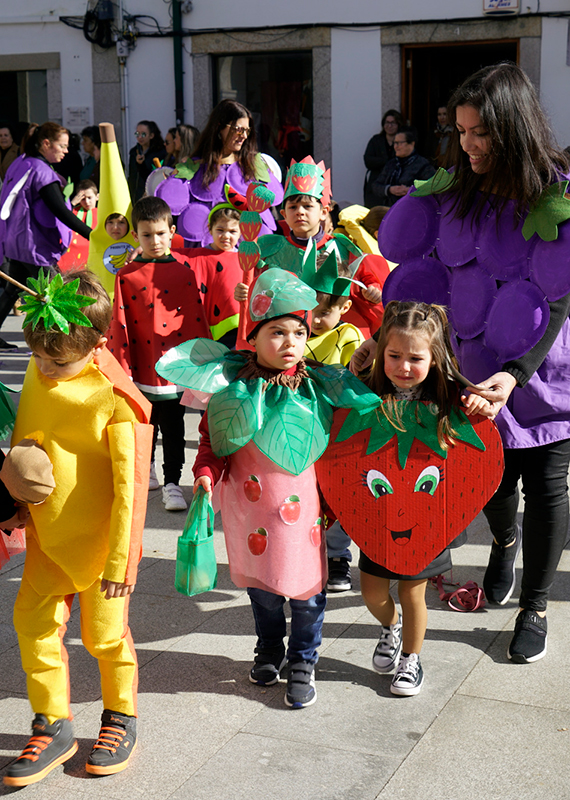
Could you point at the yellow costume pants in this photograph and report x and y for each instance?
(41, 622)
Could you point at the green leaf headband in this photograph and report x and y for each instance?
(54, 302)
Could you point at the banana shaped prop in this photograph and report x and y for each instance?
(107, 255)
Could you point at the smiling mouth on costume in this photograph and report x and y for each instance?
(402, 538)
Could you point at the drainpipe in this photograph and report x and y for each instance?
(178, 72)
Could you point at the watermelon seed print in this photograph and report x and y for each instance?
(290, 510)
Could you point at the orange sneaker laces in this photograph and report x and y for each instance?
(110, 738)
(35, 747)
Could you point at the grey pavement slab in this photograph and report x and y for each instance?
(481, 725)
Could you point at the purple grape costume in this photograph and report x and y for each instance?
(508, 293)
(498, 283)
(192, 202)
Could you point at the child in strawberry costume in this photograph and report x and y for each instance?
(417, 470)
(267, 422)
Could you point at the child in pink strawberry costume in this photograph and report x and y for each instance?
(267, 422)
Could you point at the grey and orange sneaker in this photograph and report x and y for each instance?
(116, 744)
(49, 746)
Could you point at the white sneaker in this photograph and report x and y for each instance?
(172, 498)
(409, 676)
(153, 480)
(387, 651)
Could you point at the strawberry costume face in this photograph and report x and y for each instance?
(398, 495)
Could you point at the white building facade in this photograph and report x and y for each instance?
(316, 74)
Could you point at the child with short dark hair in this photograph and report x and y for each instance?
(86, 538)
(157, 305)
(117, 226)
(86, 196)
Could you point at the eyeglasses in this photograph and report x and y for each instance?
(140, 135)
(390, 122)
(396, 144)
(238, 130)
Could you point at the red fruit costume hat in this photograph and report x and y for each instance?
(307, 177)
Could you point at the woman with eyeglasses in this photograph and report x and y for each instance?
(225, 154)
(379, 150)
(149, 146)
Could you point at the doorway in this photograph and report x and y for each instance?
(430, 74)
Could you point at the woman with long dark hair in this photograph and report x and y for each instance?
(225, 154)
(35, 221)
(501, 226)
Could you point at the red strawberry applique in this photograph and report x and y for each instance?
(261, 304)
(304, 183)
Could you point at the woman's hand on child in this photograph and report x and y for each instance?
(241, 292)
(363, 357)
(372, 293)
(205, 482)
(132, 255)
(113, 589)
(496, 390)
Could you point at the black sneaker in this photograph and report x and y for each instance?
(4, 345)
(116, 744)
(387, 651)
(301, 690)
(409, 676)
(500, 578)
(529, 642)
(49, 746)
(339, 575)
(267, 666)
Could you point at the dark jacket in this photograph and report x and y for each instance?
(378, 152)
(401, 172)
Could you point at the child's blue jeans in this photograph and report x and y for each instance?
(306, 624)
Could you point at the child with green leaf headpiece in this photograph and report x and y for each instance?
(267, 422)
(85, 538)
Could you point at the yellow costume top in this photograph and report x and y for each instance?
(94, 428)
(336, 346)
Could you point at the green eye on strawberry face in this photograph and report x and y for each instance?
(378, 483)
(428, 480)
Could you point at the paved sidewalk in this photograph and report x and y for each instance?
(481, 727)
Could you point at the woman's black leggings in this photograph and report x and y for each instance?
(544, 474)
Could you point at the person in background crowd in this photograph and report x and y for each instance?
(8, 149)
(379, 150)
(400, 172)
(149, 146)
(91, 143)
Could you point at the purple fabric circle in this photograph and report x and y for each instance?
(472, 292)
(550, 264)
(174, 192)
(476, 361)
(503, 251)
(409, 229)
(276, 187)
(214, 192)
(235, 178)
(268, 221)
(424, 280)
(517, 320)
(193, 222)
(456, 238)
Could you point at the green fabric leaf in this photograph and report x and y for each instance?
(341, 388)
(293, 435)
(261, 169)
(234, 416)
(187, 170)
(7, 411)
(551, 210)
(200, 364)
(442, 181)
(419, 421)
(271, 244)
(57, 303)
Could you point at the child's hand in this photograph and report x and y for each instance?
(205, 482)
(363, 357)
(372, 293)
(241, 292)
(113, 589)
(18, 520)
(477, 405)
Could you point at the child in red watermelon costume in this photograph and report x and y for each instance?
(217, 270)
(417, 470)
(305, 206)
(157, 305)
